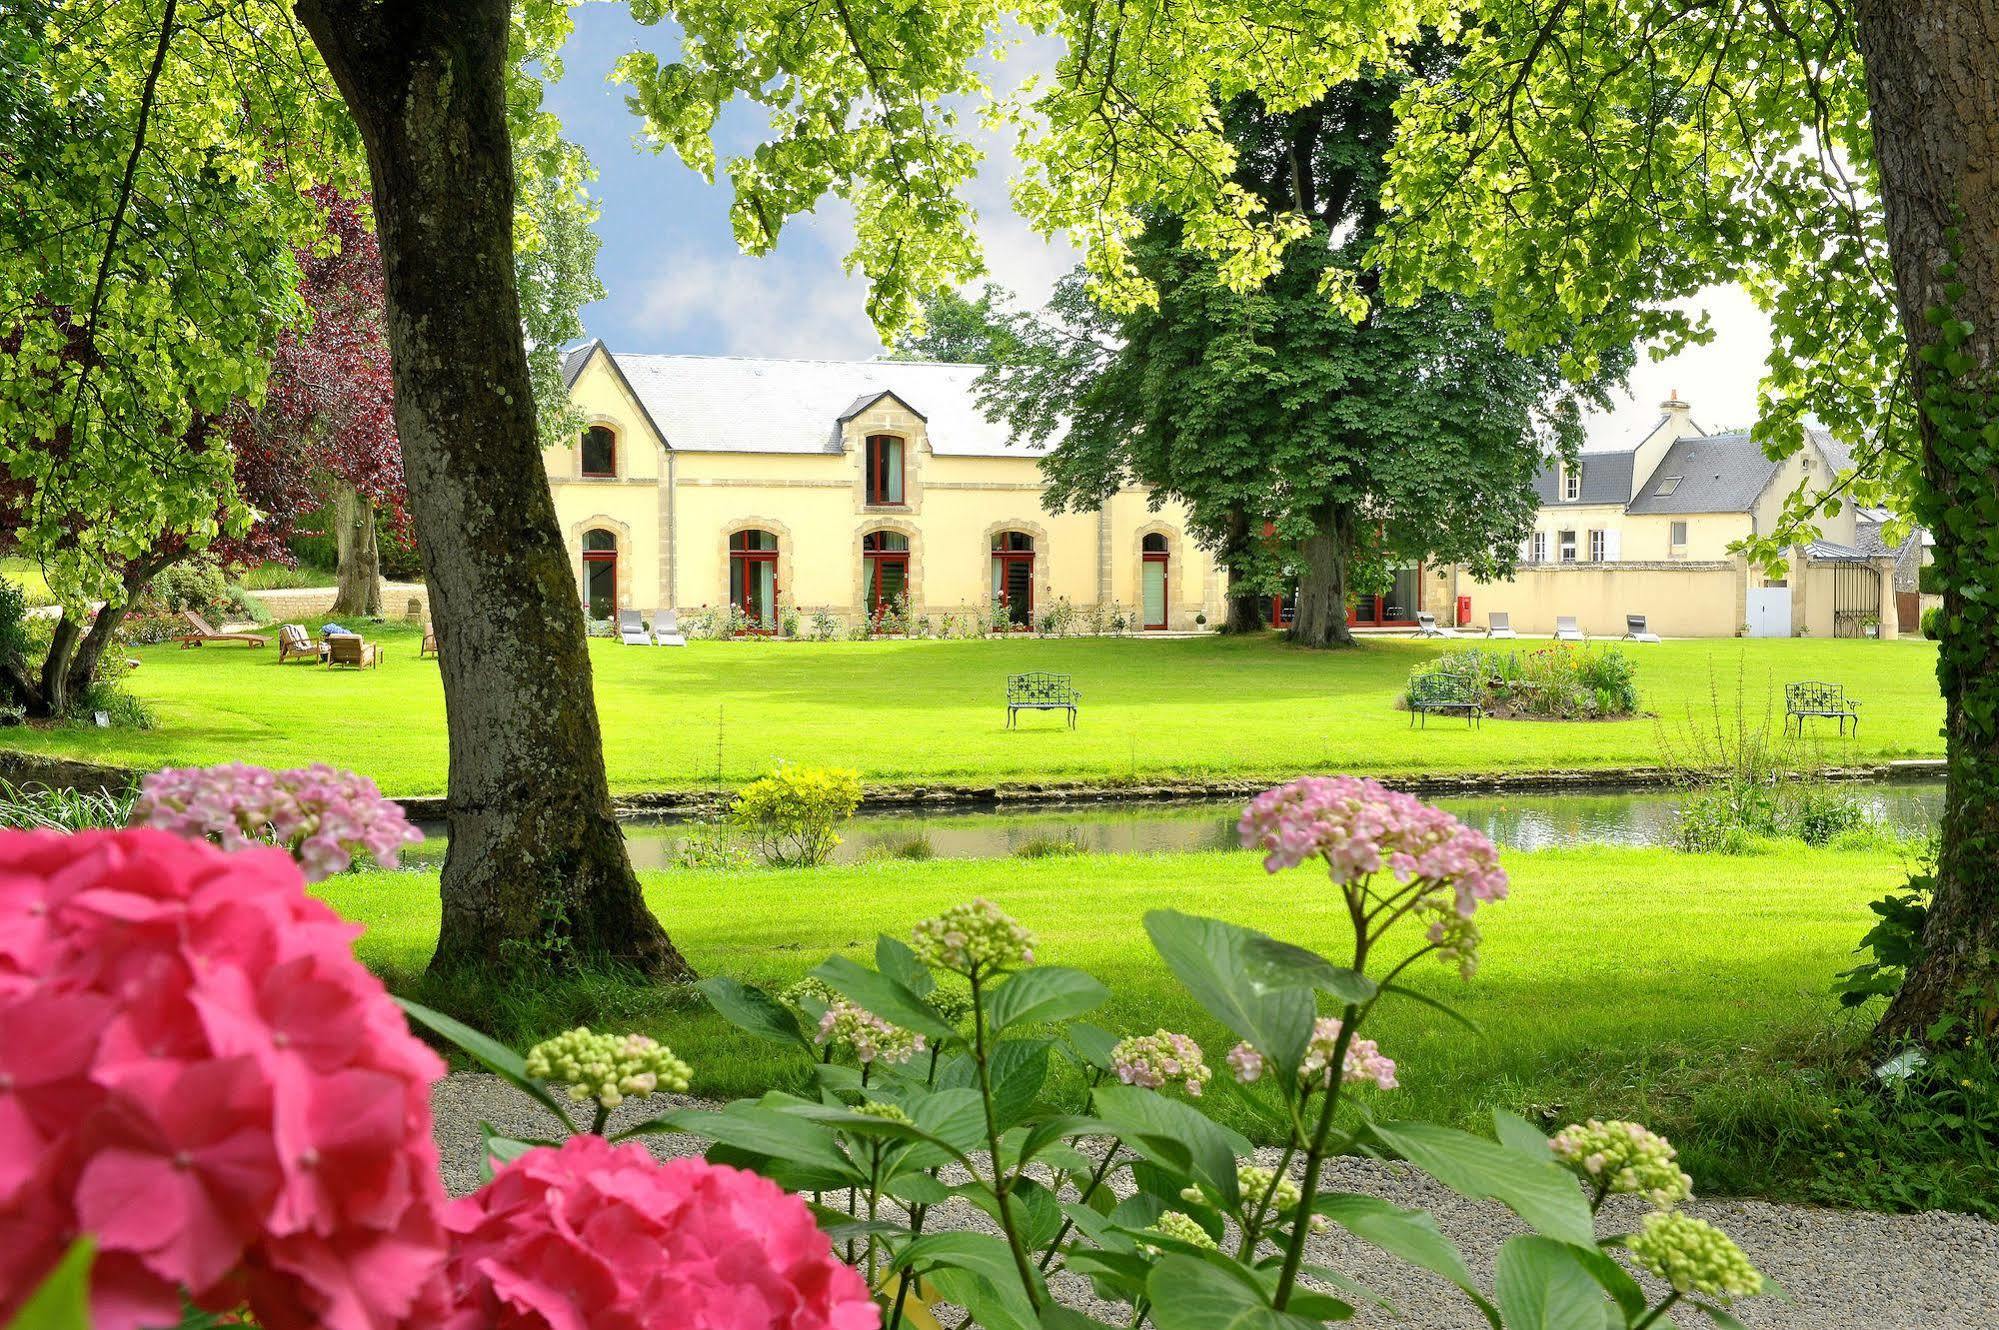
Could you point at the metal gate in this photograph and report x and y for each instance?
(1856, 598)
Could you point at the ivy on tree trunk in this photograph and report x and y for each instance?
(1933, 93)
(537, 862)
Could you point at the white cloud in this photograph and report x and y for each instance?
(1717, 380)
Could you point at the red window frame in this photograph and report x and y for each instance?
(878, 471)
(749, 558)
(873, 557)
(1374, 605)
(584, 461)
(609, 556)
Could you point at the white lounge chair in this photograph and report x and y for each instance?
(666, 629)
(1426, 626)
(1567, 629)
(632, 629)
(1635, 630)
(1499, 624)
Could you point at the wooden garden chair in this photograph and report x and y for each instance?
(294, 643)
(351, 649)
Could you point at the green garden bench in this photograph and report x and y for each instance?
(1826, 701)
(1441, 692)
(1039, 691)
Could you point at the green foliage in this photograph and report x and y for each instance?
(1046, 847)
(1932, 623)
(710, 845)
(1558, 682)
(1891, 946)
(1928, 1140)
(193, 585)
(42, 808)
(790, 815)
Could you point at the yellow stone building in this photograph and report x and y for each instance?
(840, 487)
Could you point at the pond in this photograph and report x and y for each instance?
(1513, 821)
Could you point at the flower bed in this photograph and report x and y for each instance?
(1555, 682)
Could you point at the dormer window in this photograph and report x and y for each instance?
(600, 452)
(1666, 487)
(1572, 483)
(884, 470)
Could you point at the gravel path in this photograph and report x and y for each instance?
(1842, 1269)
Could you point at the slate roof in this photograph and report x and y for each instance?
(1717, 473)
(742, 404)
(1606, 479)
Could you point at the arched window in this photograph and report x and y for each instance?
(600, 573)
(1156, 567)
(884, 569)
(884, 469)
(600, 451)
(753, 578)
(1013, 575)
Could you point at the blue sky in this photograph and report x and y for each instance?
(676, 282)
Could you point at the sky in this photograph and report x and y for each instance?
(675, 281)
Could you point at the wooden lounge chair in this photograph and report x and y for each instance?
(632, 629)
(1426, 626)
(1499, 624)
(294, 643)
(352, 649)
(429, 647)
(202, 632)
(666, 629)
(1567, 629)
(1636, 631)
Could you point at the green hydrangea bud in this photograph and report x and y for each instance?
(607, 1067)
(979, 936)
(949, 1003)
(808, 989)
(1624, 1157)
(1693, 1256)
(887, 1112)
(1181, 1228)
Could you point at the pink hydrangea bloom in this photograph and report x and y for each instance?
(1360, 827)
(1364, 1060)
(1157, 1059)
(321, 815)
(592, 1236)
(196, 1070)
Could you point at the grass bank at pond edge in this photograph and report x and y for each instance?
(1685, 991)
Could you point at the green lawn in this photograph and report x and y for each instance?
(910, 712)
(25, 574)
(1638, 982)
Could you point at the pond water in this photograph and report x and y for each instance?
(1513, 821)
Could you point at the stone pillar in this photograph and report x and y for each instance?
(1891, 623)
(1104, 576)
(1741, 566)
(1800, 579)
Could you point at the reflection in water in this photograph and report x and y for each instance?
(1515, 822)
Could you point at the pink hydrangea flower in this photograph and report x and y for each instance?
(1157, 1059)
(592, 1236)
(319, 814)
(196, 1070)
(1364, 1059)
(1360, 827)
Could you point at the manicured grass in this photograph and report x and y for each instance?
(1614, 981)
(29, 578)
(281, 577)
(911, 712)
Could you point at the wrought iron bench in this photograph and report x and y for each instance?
(1442, 692)
(1826, 701)
(1040, 692)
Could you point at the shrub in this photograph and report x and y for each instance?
(240, 604)
(192, 585)
(1559, 682)
(824, 626)
(1932, 623)
(789, 816)
(1817, 813)
(1893, 945)
(712, 845)
(13, 619)
(1720, 821)
(1046, 847)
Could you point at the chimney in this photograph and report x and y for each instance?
(1673, 405)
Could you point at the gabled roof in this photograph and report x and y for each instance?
(868, 399)
(1714, 473)
(1606, 479)
(741, 404)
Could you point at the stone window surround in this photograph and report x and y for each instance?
(623, 531)
(1175, 570)
(908, 530)
(891, 416)
(784, 552)
(1044, 597)
(620, 451)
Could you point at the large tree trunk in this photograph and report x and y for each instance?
(1322, 583)
(360, 587)
(537, 863)
(1933, 95)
